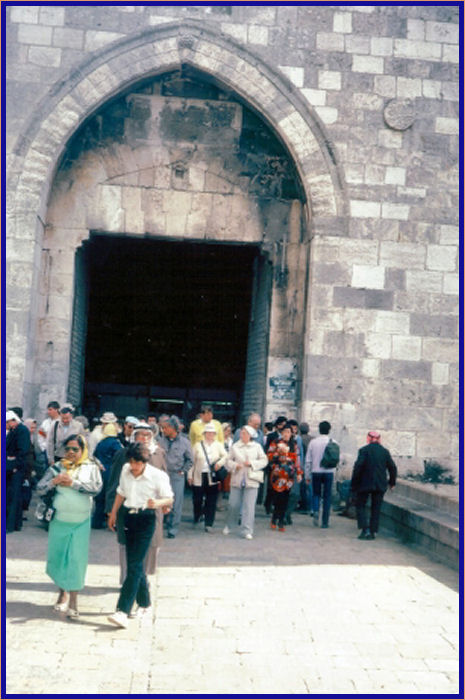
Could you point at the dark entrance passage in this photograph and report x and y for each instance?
(167, 325)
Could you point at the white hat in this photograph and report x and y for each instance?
(141, 425)
(132, 420)
(252, 432)
(209, 428)
(108, 417)
(11, 415)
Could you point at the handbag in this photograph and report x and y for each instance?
(216, 475)
(45, 512)
(256, 475)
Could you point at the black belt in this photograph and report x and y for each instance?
(139, 511)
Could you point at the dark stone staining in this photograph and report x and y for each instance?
(406, 369)
(435, 326)
(256, 150)
(395, 279)
(362, 298)
(207, 124)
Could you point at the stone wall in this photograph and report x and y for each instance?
(366, 100)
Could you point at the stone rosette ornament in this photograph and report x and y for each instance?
(399, 114)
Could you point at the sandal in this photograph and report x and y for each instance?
(61, 607)
(72, 614)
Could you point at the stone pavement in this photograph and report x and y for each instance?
(308, 611)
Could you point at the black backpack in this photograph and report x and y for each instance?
(330, 457)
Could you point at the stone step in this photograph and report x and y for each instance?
(431, 529)
(443, 497)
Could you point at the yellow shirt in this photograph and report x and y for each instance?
(196, 430)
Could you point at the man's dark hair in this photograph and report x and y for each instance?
(206, 407)
(18, 410)
(138, 452)
(304, 428)
(142, 418)
(287, 425)
(279, 420)
(269, 425)
(151, 415)
(54, 404)
(292, 421)
(324, 427)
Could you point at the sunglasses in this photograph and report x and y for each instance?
(72, 449)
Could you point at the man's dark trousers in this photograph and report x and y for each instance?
(138, 530)
(322, 481)
(362, 518)
(14, 504)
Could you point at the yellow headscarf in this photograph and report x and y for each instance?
(74, 466)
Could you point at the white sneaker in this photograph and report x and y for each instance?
(118, 618)
(145, 613)
(226, 530)
(249, 536)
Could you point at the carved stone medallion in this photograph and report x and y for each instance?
(399, 114)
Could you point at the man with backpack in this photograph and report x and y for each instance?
(320, 464)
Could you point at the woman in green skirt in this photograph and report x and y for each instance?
(76, 479)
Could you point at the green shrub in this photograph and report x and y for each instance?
(433, 473)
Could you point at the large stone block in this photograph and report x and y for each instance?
(405, 48)
(329, 80)
(408, 369)
(406, 347)
(441, 257)
(440, 350)
(424, 281)
(368, 276)
(34, 34)
(378, 345)
(429, 325)
(25, 14)
(440, 373)
(392, 322)
(395, 279)
(402, 255)
(331, 273)
(446, 32)
(365, 210)
(368, 64)
(451, 284)
(344, 344)
(68, 38)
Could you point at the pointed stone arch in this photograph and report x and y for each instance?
(34, 160)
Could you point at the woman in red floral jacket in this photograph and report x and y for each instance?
(284, 469)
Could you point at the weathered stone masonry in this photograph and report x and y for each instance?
(365, 99)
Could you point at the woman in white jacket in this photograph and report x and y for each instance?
(246, 461)
(208, 454)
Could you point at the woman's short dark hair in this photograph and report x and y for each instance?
(138, 452)
(78, 438)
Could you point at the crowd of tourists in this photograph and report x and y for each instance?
(130, 476)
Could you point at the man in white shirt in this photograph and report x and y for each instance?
(59, 431)
(142, 488)
(53, 414)
(322, 479)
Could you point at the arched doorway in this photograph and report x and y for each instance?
(45, 360)
(185, 213)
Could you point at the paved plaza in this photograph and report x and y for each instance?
(308, 611)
